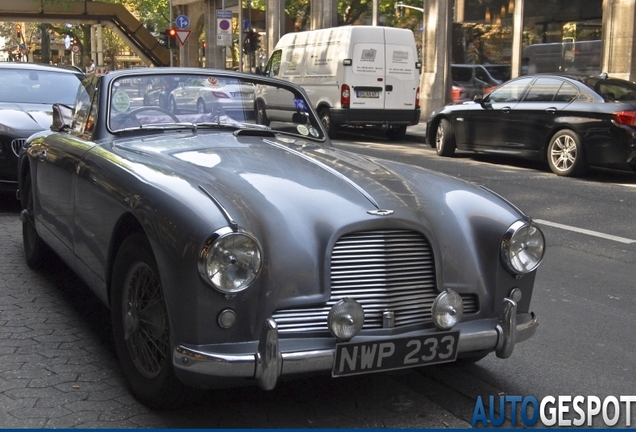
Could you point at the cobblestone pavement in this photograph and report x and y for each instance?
(58, 369)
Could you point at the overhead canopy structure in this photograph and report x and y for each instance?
(113, 15)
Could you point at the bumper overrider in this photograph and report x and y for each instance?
(270, 358)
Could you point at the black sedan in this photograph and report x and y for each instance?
(27, 93)
(570, 122)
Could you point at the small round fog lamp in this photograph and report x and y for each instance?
(226, 318)
(447, 309)
(345, 319)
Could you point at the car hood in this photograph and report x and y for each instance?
(262, 181)
(20, 117)
(298, 199)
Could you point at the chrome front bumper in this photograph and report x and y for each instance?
(268, 359)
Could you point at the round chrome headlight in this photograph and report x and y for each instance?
(230, 261)
(345, 319)
(522, 248)
(447, 310)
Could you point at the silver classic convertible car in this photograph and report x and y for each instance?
(235, 250)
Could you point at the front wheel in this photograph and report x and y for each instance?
(173, 106)
(565, 154)
(445, 139)
(141, 326)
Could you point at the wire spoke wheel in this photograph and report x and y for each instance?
(145, 320)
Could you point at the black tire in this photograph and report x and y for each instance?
(397, 133)
(445, 139)
(565, 154)
(141, 327)
(327, 122)
(201, 106)
(173, 106)
(36, 252)
(260, 113)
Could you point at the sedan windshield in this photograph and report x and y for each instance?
(36, 86)
(164, 101)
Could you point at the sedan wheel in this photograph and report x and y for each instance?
(173, 106)
(565, 154)
(445, 139)
(201, 106)
(141, 327)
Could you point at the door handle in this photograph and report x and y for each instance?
(506, 109)
(388, 87)
(551, 110)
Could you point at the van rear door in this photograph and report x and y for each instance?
(402, 76)
(367, 72)
(384, 73)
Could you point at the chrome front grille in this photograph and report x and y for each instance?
(16, 145)
(389, 270)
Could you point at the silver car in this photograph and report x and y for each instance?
(210, 94)
(230, 251)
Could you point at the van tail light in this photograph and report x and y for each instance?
(345, 96)
(626, 118)
(417, 98)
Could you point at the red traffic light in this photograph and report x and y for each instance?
(172, 32)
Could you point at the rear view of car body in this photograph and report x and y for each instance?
(354, 75)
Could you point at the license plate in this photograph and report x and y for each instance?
(367, 94)
(354, 358)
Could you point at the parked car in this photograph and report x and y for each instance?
(231, 252)
(201, 94)
(27, 93)
(477, 79)
(570, 122)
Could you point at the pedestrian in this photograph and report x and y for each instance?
(91, 67)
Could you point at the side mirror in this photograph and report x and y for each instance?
(483, 101)
(62, 117)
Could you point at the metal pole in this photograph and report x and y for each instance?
(169, 26)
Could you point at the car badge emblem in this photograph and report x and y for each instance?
(380, 212)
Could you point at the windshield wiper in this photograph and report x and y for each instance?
(159, 127)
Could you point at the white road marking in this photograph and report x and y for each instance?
(585, 231)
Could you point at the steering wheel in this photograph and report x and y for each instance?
(132, 114)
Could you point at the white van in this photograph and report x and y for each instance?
(362, 76)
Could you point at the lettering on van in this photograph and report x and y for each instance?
(401, 57)
(368, 55)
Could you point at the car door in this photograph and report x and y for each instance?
(486, 124)
(534, 117)
(57, 160)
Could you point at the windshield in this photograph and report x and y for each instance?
(36, 86)
(162, 101)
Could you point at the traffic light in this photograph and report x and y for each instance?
(171, 34)
(18, 32)
(163, 38)
(252, 42)
(255, 41)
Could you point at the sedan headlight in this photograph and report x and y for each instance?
(230, 261)
(522, 248)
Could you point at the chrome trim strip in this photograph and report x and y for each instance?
(223, 210)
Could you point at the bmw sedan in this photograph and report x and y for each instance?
(27, 93)
(570, 122)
